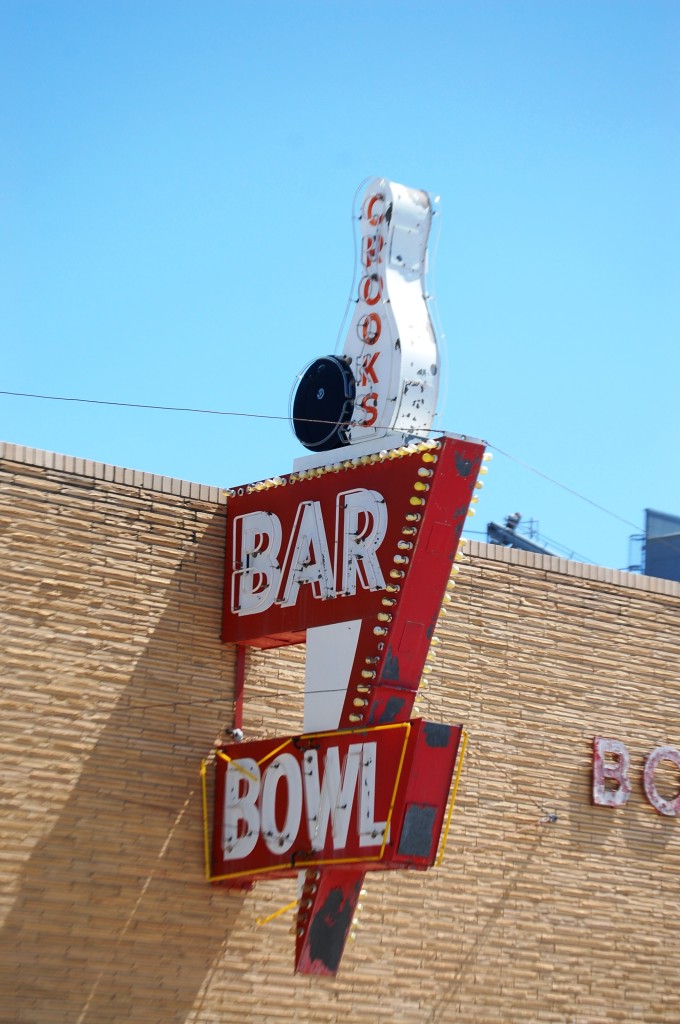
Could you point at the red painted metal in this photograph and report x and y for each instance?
(241, 654)
(357, 800)
(327, 905)
(287, 570)
(397, 655)
(437, 504)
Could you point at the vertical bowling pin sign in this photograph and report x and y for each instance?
(351, 557)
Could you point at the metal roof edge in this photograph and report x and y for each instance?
(566, 567)
(26, 456)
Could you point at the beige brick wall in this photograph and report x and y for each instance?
(114, 685)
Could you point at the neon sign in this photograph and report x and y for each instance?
(386, 382)
(338, 798)
(353, 558)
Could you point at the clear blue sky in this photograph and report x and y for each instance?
(176, 187)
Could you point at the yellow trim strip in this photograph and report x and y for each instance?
(287, 867)
(237, 766)
(352, 732)
(454, 791)
(336, 860)
(206, 840)
(273, 753)
(277, 913)
(407, 726)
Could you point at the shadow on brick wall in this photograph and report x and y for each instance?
(114, 920)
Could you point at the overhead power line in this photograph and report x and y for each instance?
(143, 405)
(570, 490)
(271, 416)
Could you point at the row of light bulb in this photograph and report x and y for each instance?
(398, 572)
(335, 467)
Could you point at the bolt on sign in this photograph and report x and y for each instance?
(355, 557)
(370, 797)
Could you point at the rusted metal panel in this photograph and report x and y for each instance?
(327, 905)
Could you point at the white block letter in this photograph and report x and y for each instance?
(242, 786)
(360, 530)
(307, 558)
(659, 803)
(610, 771)
(334, 797)
(256, 543)
(371, 832)
(284, 766)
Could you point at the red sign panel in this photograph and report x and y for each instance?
(373, 798)
(371, 541)
(325, 545)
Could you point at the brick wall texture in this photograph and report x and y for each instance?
(114, 686)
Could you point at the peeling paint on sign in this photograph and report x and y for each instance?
(611, 775)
